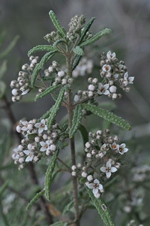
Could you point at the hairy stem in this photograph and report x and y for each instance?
(72, 144)
(33, 175)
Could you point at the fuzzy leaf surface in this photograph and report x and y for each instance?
(56, 23)
(96, 37)
(78, 51)
(56, 106)
(35, 198)
(109, 116)
(77, 116)
(49, 174)
(41, 48)
(86, 29)
(46, 92)
(104, 214)
(40, 65)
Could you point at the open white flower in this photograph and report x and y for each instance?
(108, 169)
(45, 145)
(41, 126)
(103, 89)
(128, 79)
(122, 148)
(110, 55)
(30, 155)
(106, 68)
(97, 188)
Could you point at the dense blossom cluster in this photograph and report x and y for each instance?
(21, 86)
(38, 141)
(114, 74)
(102, 152)
(84, 67)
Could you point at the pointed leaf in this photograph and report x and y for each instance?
(40, 65)
(41, 48)
(59, 223)
(85, 30)
(101, 208)
(49, 174)
(35, 198)
(3, 188)
(77, 116)
(84, 133)
(68, 207)
(2, 89)
(56, 23)
(46, 92)
(76, 61)
(109, 116)
(3, 68)
(78, 51)
(9, 48)
(96, 37)
(56, 106)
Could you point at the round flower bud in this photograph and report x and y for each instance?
(73, 173)
(73, 167)
(37, 139)
(84, 174)
(87, 145)
(89, 177)
(88, 155)
(91, 87)
(15, 92)
(113, 89)
(61, 74)
(52, 147)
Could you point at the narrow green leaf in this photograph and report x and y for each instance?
(40, 65)
(9, 48)
(35, 198)
(49, 174)
(78, 51)
(46, 92)
(109, 116)
(2, 89)
(3, 188)
(77, 116)
(3, 68)
(84, 133)
(68, 207)
(86, 29)
(41, 48)
(56, 106)
(56, 23)
(96, 37)
(101, 209)
(47, 114)
(59, 223)
(76, 61)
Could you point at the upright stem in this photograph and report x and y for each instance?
(72, 145)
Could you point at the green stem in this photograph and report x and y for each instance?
(72, 143)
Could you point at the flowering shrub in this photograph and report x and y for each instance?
(102, 154)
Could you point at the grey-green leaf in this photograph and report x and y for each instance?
(3, 68)
(84, 133)
(2, 89)
(35, 198)
(85, 30)
(41, 48)
(76, 61)
(46, 92)
(56, 23)
(109, 116)
(101, 208)
(55, 107)
(77, 116)
(96, 37)
(49, 174)
(3, 188)
(78, 51)
(40, 65)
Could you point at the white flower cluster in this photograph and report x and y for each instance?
(84, 67)
(101, 148)
(114, 74)
(21, 86)
(37, 141)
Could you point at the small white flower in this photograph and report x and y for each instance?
(30, 155)
(114, 146)
(87, 145)
(123, 149)
(61, 74)
(96, 187)
(110, 55)
(91, 87)
(89, 177)
(76, 98)
(15, 92)
(25, 125)
(106, 68)
(128, 79)
(113, 89)
(52, 147)
(84, 174)
(103, 89)
(108, 169)
(45, 145)
(73, 167)
(41, 126)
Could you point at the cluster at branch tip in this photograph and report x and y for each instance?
(38, 141)
(103, 154)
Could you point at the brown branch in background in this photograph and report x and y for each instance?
(43, 204)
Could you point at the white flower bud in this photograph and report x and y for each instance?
(76, 98)
(91, 87)
(87, 145)
(89, 177)
(52, 147)
(61, 74)
(88, 155)
(113, 89)
(84, 174)
(18, 129)
(73, 173)
(15, 92)
(73, 167)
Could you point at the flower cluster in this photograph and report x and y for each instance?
(102, 152)
(38, 141)
(21, 86)
(84, 67)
